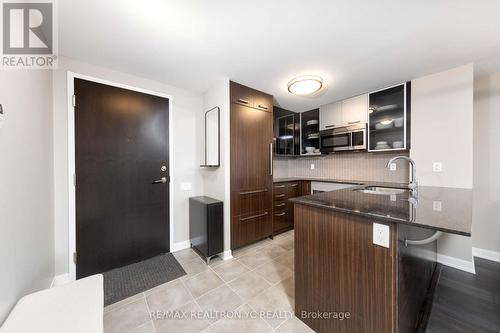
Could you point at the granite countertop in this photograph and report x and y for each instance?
(438, 208)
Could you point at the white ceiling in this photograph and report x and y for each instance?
(356, 46)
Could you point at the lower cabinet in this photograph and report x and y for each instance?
(282, 208)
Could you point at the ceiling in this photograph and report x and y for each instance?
(356, 46)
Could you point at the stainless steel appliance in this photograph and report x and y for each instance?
(345, 138)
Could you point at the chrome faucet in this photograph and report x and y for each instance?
(413, 177)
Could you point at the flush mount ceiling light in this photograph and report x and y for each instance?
(305, 85)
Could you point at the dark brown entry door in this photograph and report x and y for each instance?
(122, 214)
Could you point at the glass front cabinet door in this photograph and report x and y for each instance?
(389, 119)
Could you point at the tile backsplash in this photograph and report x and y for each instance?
(347, 166)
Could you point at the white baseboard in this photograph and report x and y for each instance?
(180, 246)
(226, 255)
(463, 265)
(59, 280)
(486, 254)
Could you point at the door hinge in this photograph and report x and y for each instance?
(74, 179)
(74, 100)
(74, 258)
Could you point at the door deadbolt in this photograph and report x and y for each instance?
(163, 168)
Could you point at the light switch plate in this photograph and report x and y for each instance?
(437, 206)
(381, 234)
(186, 186)
(393, 166)
(312, 166)
(437, 167)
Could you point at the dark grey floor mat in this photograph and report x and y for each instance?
(127, 281)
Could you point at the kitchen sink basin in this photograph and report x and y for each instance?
(379, 190)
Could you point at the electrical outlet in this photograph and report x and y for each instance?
(312, 166)
(186, 186)
(437, 167)
(381, 234)
(393, 167)
(437, 206)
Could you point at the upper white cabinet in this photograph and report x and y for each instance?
(355, 110)
(347, 112)
(330, 115)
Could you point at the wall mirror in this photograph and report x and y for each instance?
(212, 138)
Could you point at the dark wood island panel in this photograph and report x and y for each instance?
(338, 269)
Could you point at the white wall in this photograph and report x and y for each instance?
(186, 110)
(216, 181)
(442, 131)
(26, 185)
(486, 208)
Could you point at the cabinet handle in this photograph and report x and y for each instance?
(280, 214)
(254, 192)
(271, 159)
(279, 195)
(252, 217)
(354, 122)
(293, 185)
(264, 107)
(241, 100)
(329, 126)
(279, 186)
(280, 205)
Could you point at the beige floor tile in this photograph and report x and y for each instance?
(188, 324)
(294, 325)
(127, 317)
(287, 243)
(121, 303)
(255, 259)
(272, 251)
(195, 266)
(252, 248)
(276, 303)
(203, 283)
(146, 328)
(169, 296)
(185, 255)
(249, 285)
(286, 260)
(245, 323)
(288, 286)
(230, 270)
(274, 272)
(222, 299)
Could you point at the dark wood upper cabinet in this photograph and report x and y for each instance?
(251, 123)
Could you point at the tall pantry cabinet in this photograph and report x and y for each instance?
(251, 127)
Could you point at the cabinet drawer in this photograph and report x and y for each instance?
(280, 205)
(279, 188)
(279, 196)
(249, 228)
(281, 220)
(293, 190)
(244, 202)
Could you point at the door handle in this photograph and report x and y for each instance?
(271, 159)
(162, 180)
(354, 122)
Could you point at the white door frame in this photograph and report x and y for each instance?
(71, 160)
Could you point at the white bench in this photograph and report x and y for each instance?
(76, 307)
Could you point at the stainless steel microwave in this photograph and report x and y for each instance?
(347, 138)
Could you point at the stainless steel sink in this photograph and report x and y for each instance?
(379, 190)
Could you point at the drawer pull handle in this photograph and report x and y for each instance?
(279, 196)
(354, 122)
(281, 205)
(280, 214)
(254, 192)
(263, 106)
(252, 217)
(279, 186)
(329, 126)
(293, 185)
(241, 100)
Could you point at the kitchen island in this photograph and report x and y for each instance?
(344, 282)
